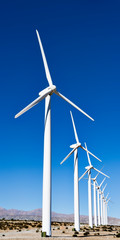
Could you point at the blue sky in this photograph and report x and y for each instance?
(81, 40)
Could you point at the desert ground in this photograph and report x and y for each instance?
(24, 229)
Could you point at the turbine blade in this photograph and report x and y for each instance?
(75, 132)
(96, 183)
(107, 196)
(104, 187)
(69, 155)
(101, 172)
(43, 94)
(102, 182)
(67, 100)
(108, 200)
(83, 174)
(47, 72)
(90, 153)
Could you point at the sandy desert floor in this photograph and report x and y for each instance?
(32, 230)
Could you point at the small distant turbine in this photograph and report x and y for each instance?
(98, 198)
(102, 205)
(105, 212)
(89, 186)
(106, 208)
(46, 94)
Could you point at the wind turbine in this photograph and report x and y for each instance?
(89, 186)
(104, 202)
(106, 211)
(98, 198)
(95, 203)
(102, 207)
(46, 93)
(76, 187)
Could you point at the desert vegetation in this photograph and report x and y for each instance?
(66, 230)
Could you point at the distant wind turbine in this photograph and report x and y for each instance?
(76, 187)
(102, 205)
(98, 198)
(106, 208)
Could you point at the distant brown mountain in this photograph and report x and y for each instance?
(37, 215)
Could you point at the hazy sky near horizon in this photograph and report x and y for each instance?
(81, 40)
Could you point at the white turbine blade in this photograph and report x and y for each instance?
(83, 174)
(44, 60)
(75, 132)
(108, 200)
(96, 183)
(104, 188)
(43, 94)
(69, 154)
(101, 172)
(67, 100)
(107, 196)
(97, 175)
(90, 153)
(102, 182)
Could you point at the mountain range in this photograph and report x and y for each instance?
(37, 215)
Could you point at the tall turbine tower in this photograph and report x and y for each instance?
(46, 94)
(89, 186)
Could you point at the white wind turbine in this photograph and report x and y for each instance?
(76, 187)
(98, 198)
(46, 93)
(104, 202)
(102, 205)
(95, 203)
(106, 208)
(89, 186)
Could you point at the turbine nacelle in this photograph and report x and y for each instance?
(89, 167)
(52, 88)
(75, 145)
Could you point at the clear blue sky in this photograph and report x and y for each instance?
(81, 40)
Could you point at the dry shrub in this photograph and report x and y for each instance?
(86, 233)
